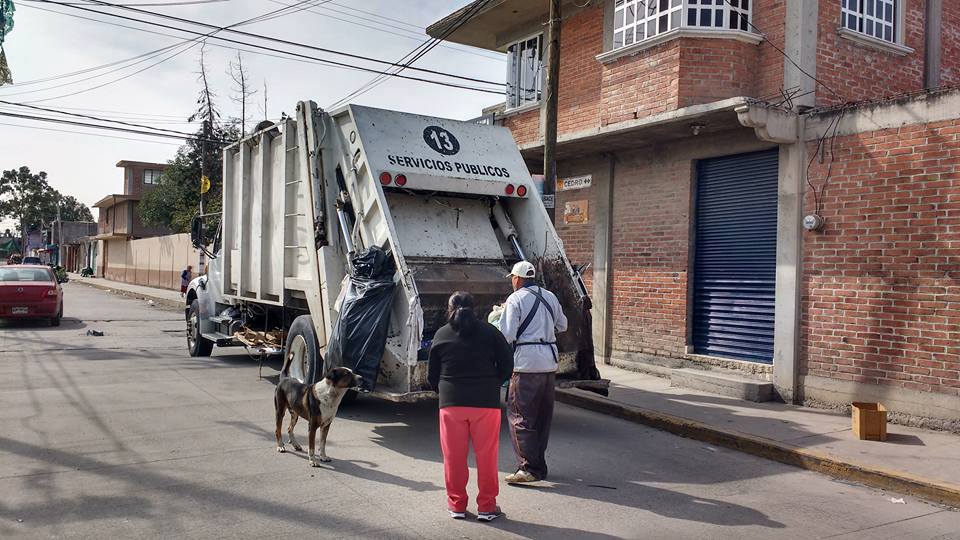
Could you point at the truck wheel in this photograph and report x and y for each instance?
(302, 359)
(196, 343)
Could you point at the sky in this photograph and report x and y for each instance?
(50, 40)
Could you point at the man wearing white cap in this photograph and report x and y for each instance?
(531, 318)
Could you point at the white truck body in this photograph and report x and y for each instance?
(299, 197)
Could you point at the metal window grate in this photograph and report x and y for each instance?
(525, 72)
(638, 20)
(875, 18)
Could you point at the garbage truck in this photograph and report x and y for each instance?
(343, 233)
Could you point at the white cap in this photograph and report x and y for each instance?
(523, 269)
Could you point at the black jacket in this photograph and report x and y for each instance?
(469, 371)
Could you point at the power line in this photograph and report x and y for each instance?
(232, 48)
(413, 55)
(145, 57)
(85, 90)
(88, 134)
(157, 4)
(99, 126)
(290, 53)
(130, 113)
(393, 30)
(88, 117)
(268, 38)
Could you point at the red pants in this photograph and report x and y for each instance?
(458, 427)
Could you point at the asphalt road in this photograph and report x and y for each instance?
(125, 436)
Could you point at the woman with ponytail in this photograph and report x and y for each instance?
(469, 362)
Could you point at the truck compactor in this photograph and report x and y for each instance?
(343, 233)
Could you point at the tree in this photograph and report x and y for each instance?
(175, 201)
(27, 198)
(32, 202)
(242, 90)
(73, 210)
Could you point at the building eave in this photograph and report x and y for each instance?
(127, 163)
(113, 200)
(489, 26)
(715, 117)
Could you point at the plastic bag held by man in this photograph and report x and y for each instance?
(360, 332)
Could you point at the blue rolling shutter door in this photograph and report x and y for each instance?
(735, 257)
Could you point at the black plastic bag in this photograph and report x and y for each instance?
(360, 332)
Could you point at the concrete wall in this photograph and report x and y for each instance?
(152, 262)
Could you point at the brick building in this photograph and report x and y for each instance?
(119, 217)
(704, 147)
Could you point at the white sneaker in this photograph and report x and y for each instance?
(520, 477)
(489, 516)
(457, 515)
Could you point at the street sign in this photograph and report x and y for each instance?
(204, 184)
(574, 182)
(549, 201)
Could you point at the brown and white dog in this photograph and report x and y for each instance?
(318, 403)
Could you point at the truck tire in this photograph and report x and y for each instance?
(302, 360)
(196, 343)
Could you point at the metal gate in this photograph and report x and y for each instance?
(735, 256)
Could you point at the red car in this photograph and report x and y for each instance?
(30, 291)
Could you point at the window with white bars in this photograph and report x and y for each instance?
(874, 18)
(635, 21)
(525, 72)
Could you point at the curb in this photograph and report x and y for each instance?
(923, 488)
(165, 302)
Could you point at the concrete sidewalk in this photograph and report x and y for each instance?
(164, 297)
(919, 462)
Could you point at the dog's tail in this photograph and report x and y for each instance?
(285, 370)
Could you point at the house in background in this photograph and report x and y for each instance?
(69, 241)
(119, 218)
(763, 188)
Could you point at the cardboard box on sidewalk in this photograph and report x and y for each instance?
(869, 421)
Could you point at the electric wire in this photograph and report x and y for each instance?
(143, 58)
(89, 117)
(101, 3)
(393, 30)
(100, 126)
(413, 55)
(88, 134)
(158, 4)
(290, 53)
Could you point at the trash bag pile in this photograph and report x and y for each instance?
(360, 332)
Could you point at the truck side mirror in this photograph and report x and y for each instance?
(196, 231)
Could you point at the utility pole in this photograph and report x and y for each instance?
(203, 161)
(550, 123)
(59, 235)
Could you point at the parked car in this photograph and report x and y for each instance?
(32, 260)
(30, 292)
